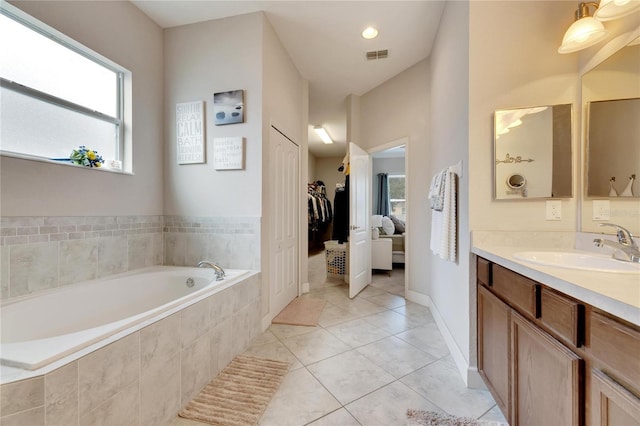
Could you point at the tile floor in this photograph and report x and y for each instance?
(370, 360)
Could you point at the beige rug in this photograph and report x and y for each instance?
(301, 311)
(431, 418)
(239, 394)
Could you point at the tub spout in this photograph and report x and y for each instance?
(219, 271)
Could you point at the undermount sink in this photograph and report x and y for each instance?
(579, 260)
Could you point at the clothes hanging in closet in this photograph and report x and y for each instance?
(319, 208)
(341, 213)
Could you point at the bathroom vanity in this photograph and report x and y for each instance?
(555, 353)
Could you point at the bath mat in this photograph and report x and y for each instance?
(301, 311)
(431, 418)
(239, 394)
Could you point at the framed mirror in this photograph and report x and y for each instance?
(612, 94)
(532, 149)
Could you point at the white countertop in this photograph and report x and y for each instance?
(617, 294)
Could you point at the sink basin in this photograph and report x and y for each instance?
(579, 260)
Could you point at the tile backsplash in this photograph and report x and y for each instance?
(39, 253)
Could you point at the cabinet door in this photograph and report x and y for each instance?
(493, 346)
(612, 404)
(547, 384)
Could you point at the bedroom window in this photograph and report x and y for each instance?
(397, 199)
(56, 95)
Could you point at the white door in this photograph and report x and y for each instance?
(284, 193)
(359, 217)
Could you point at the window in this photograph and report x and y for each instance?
(55, 94)
(397, 196)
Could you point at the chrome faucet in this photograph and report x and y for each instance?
(626, 248)
(219, 271)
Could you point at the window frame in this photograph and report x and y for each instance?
(121, 73)
(391, 200)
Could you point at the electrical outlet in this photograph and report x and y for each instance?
(554, 210)
(601, 210)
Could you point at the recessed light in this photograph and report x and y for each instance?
(369, 33)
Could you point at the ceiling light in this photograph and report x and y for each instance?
(614, 9)
(369, 33)
(584, 32)
(323, 134)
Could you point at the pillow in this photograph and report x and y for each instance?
(388, 226)
(398, 224)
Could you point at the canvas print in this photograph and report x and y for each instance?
(228, 107)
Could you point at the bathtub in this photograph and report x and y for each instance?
(39, 330)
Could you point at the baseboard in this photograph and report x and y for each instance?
(469, 374)
(306, 288)
(266, 322)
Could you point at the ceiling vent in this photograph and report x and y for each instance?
(377, 54)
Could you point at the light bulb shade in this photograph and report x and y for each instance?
(323, 134)
(581, 34)
(614, 9)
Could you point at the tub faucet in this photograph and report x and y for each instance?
(626, 248)
(219, 271)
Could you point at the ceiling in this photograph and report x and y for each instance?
(324, 42)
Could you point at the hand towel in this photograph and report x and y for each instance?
(436, 191)
(444, 223)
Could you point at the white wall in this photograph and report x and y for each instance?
(448, 282)
(400, 108)
(200, 60)
(31, 188)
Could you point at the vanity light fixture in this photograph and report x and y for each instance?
(614, 9)
(323, 134)
(584, 32)
(369, 33)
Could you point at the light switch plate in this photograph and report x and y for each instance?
(601, 210)
(554, 210)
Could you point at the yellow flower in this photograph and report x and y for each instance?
(91, 155)
(97, 164)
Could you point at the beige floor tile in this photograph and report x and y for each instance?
(349, 376)
(388, 300)
(440, 383)
(494, 415)
(370, 291)
(283, 331)
(357, 332)
(388, 406)
(396, 356)
(339, 417)
(332, 315)
(393, 322)
(415, 312)
(274, 350)
(315, 346)
(426, 338)
(299, 400)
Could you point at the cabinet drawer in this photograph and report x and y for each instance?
(617, 346)
(484, 271)
(516, 290)
(562, 315)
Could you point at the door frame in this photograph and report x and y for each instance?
(403, 141)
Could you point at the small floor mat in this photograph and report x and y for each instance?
(301, 311)
(239, 394)
(432, 418)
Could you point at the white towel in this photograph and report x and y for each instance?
(444, 223)
(436, 191)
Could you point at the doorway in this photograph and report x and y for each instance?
(390, 203)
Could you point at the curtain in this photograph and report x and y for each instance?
(383, 194)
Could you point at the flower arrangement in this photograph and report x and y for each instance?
(86, 157)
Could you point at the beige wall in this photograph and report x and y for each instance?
(31, 188)
(200, 60)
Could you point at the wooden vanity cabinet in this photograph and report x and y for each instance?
(549, 359)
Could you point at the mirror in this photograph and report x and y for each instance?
(612, 94)
(533, 153)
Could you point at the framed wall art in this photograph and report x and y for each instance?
(228, 107)
(190, 128)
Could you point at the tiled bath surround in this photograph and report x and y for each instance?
(45, 252)
(146, 377)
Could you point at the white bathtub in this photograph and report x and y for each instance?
(38, 330)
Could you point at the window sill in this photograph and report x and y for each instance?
(62, 163)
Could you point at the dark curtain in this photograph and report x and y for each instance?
(383, 194)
